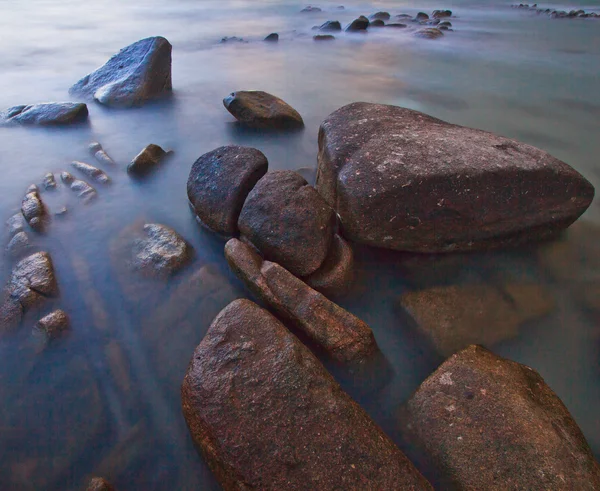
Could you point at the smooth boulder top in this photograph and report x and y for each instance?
(266, 414)
(491, 423)
(358, 25)
(288, 221)
(137, 73)
(46, 114)
(262, 110)
(219, 183)
(403, 180)
(330, 26)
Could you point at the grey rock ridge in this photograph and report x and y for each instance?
(262, 110)
(403, 180)
(45, 114)
(492, 423)
(266, 414)
(136, 74)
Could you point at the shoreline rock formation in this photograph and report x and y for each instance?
(46, 114)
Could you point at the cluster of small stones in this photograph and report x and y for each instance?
(559, 14)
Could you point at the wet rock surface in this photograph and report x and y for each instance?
(100, 154)
(491, 423)
(15, 224)
(358, 25)
(54, 324)
(282, 421)
(219, 183)
(136, 74)
(441, 14)
(376, 23)
(335, 276)
(99, 484)
(454, 317)
(82, 188)
(403, 180)
(288, 221)
(50, 113)
(161, 252)
(33, 210)
(260, 109)
(91, 171)
(146, 161)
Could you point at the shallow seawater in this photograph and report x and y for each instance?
(105, 399)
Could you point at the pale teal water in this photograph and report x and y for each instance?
(502, 70)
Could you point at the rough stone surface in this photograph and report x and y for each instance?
(82, 188)
(265, 414)
(491, 423)
(50, 113)
(358, 25)
(145, 161)
(441, 14)
(334, 277)
(288, 221)
(454, 317)
(330, 26)
(262, 110)
(161, 252)
(99, 154)
(18, 245)
(15, 224)
(99, 484)
(91, 171)
(403, 180)
(219, 183)
(137, 73)
(429, 33)
(33, 210)
(54, 324)
(49, 182)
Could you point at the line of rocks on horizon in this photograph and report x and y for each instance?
(558, 14)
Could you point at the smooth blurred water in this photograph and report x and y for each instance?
(105, 399)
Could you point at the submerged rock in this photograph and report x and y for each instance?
(323, 37)
(91, 171)
(136, 74)
(491, 423)
(341, 335)
(441, 14)
(334, 277)
(231, 39)
(49, 182)
(18, 245)
(50, 113)
(429, 33)
(54, 324)
(145, 161)
(454, 317)
(33, 210)
(380, 16)
(82, 188)
(161, 253)
(330, 26)
(358, 25)
(272, 38)
(265, 414)
(396, 25)
(263, 110)
(288, 221)
(99, 484)
(376, 23)
(219, 183)
(400, 179)
(99, 154)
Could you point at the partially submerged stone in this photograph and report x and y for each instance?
(99, 484)
(358, 25)
(161, 252)
(136, 74)
(441, 14)
(99, 154)
(53, 324)
(380, 16)
(453, 317)
(219, 183)
(15, 224)
(330, 26)
(400, 179)
(146, 160)
(429, 33)
(263, 110)
(491, 423)
(18, 245)
(82, 188)
(376, 23)
(341, 335)
(272, 38)
(33, 210)
(49, 182)
(288, 221)
(334, 277)
(323, 37)
(50, 113)
(91, 171)
(310, 9)
(265, 414)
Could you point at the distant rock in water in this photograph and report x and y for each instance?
(272, 38)
(136, 74)
(421, 16)
(376, 23)
(47, 114)
(232, 39)
(403, 180)
(310, 9)
(145, 161)
(380, 16)
(260, 109)
(396, 25)
(441, 14)
(358, 25)
(99, 484)
(490, 423)
(429, 33)
(324, 37)
(330, 26)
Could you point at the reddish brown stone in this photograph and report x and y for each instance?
(491, 423)
(265, 414)
(334, 277)
(99, 484)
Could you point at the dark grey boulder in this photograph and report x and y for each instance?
(219, 183)
(400, 179)
(145, 161)
(396, 25)
(231, 39)
(91, 171)
(324, 37)
(136, 74)
(330, 26)
(490, 423)
(429, 33)
(288, 221)
(51, 113)
(380, 16)
(260, 109)
(421, 16)
(272, 38)
(160, 253)
(358, 25)
(376, 23)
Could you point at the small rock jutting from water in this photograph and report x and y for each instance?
(219, 183)
(47, 114)
(53, 325)
(421, 16)
(453, 317)
(558, 14)
(260, 109)
(33, 210)
(492, 423)
(99, 154)
(324, 37)
(18, 245)
(99, 484)
(358, 25)
(146, 161)
(376, 23)
(49, 182)
(161, 252)
(272, 380)
(380, 16)
(338, 333)
(91, 171)
(136, 74)
(400, 179)
(396, 25)
(429, 33)
(311, 9)
(330, 26)
(231, 39)
(272, 38)
(82, 188)
(441, 14)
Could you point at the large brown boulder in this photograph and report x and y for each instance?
(403, 180)
(288, 221)
(491, 423)
(219, 183)
(266, 414)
